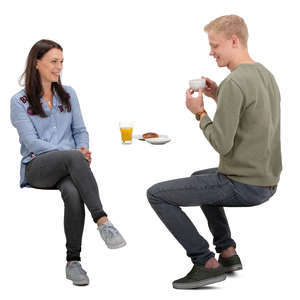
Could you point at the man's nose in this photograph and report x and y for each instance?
(211, 53)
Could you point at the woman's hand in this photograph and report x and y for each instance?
(210, 89)
(86, 153)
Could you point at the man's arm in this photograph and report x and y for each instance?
(221, 131)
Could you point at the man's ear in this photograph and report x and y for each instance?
(235, 41)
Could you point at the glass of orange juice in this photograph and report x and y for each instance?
(126, 129)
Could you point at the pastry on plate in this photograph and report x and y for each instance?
(150, 135)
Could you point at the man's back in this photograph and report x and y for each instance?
(246, 126)
(255, 157)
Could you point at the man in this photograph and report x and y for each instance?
(245, 132)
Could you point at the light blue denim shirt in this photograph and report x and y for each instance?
(61, 130)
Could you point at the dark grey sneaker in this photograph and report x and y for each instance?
(200, 276)
(75, 273)
(231, 264)
(111, 236)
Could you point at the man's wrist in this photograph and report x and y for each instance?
(202, 115)
(199, 115)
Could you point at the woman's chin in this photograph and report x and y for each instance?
(55, 79)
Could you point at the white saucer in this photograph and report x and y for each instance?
(159, 140)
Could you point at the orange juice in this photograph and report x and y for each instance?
(126, 133)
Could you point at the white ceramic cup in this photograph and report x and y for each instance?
(197, 84)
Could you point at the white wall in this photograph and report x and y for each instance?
(131, 60)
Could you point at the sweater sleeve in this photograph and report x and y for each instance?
(221, 131)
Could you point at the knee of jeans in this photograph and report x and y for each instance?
(74, 156)
(152, 194)
(70, 194)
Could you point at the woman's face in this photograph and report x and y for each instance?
(50, 65)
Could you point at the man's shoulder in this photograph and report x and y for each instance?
(246, 75)
(229, 82)
(249, 72)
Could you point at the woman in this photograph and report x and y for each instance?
(55, 150)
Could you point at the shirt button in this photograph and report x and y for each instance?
(54, 127)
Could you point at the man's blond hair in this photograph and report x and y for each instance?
(229, 25)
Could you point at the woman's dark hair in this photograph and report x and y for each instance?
(33, 86)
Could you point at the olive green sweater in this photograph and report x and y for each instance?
(245, 130)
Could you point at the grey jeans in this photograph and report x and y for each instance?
(210, 190)
(69, 172)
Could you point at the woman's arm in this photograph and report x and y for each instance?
(27, 133)
(79, 131)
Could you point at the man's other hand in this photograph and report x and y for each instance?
(210, 89)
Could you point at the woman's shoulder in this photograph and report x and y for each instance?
(68, 89)
(19, 96)
(71, 92)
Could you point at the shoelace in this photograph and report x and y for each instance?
(110, 230)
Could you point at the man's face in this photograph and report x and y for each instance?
(221, 49)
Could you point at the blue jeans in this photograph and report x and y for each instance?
(210, 190)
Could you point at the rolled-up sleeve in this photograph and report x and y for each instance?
(79, 131)
(221, 131)
(27, 133)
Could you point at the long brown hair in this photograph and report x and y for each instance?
(33, 86)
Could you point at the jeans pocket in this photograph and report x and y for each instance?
(252, 195)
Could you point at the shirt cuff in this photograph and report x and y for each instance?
(85, 145)
(205, 121)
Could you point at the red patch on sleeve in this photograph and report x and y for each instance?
(24, 99)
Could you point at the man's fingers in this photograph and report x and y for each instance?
(209, 82)
(189, 92)
(186, 103)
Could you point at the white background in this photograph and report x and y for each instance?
(131, 60)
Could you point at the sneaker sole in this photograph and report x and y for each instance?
(80, 283)
(199, 284)
(117, 246)
(233, 268)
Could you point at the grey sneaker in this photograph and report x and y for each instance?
(111, 236)
(75, 273)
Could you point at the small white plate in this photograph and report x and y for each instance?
(140, 136)
(159, 140)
